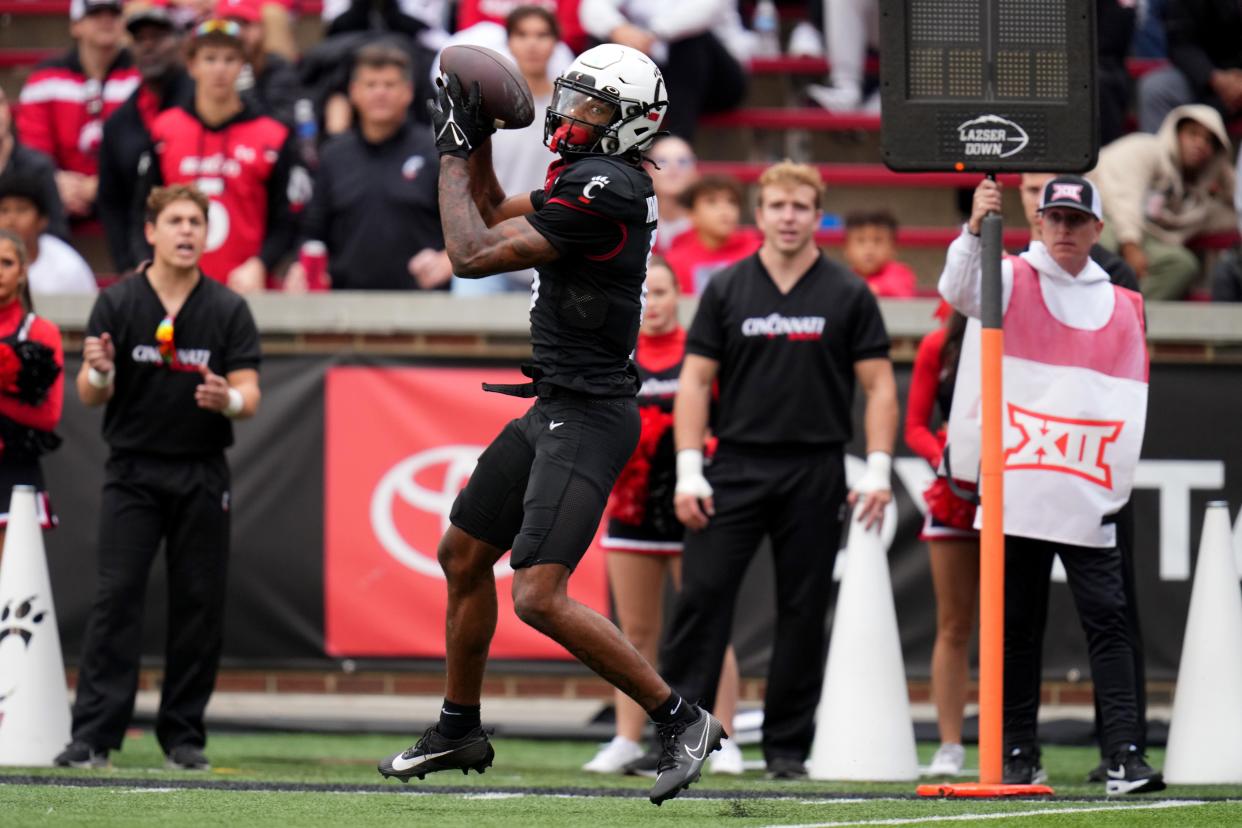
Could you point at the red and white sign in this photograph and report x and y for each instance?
(400, 444)
(1062, 444)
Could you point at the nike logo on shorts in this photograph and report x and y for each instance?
(554, 425)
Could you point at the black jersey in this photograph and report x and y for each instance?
(152, 409)
(599, 212)
(786, 360)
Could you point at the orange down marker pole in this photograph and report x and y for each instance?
(991, 541)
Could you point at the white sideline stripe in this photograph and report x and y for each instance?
(1154, 806)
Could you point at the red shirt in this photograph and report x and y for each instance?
(61, 111)
(894, 280)
(924, 383)
(470, 12)
(235, 166)
(694, 263)
(46, 415)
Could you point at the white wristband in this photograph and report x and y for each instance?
(236, 403)
(98, 379)
(879, 473)
(689, 463)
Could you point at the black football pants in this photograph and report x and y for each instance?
(147, 499)
(1096, 580)
(796, 499)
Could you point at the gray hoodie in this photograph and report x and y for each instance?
(1144, 190)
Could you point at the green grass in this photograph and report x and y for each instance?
(509, 794)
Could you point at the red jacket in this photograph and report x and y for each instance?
(243, 167)
(695, 264)
(61, 111)
(470, 12)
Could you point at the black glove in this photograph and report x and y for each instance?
(457, 119)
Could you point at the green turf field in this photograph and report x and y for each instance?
(311, 779)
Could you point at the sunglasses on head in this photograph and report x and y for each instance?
(164, 340)
(228, 28)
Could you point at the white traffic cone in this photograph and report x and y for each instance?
(34, 702)
(863, 728)
(1205, 734)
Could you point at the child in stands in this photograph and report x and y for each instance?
(871, 252)
(714, 240)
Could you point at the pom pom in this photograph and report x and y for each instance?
(38, 371)
(10, 367)
(946, 507)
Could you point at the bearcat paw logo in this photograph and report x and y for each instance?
(18, 622)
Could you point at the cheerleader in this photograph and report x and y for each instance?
(31, 384)
(953, 544)
(643, 538)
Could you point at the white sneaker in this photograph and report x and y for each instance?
(805, 41)
(614, 756)
(835, 98)
(947, 761)
(726, 760)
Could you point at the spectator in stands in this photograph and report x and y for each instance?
(1114, 31)
(1149, 40)
(787, 333)
(33, 382)
(268, 82)
(1227, 275)
(472, 12)
(673, 169)
(690, 41)
(53, 266)
(156, 44)
(66, 100)
(519, 155)
(1161, 190)
(871, 252)
(376, 196)
(423, 20)
(1205, 49)
(853, 26)
(243, 162)
(714, 240)
(16, 159)
(174, 358)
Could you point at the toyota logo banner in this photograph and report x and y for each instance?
(400, 444)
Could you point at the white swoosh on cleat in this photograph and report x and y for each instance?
(701, 747)
(400, 763)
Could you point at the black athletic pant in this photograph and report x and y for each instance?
(796, 498)
(702, 77)
(1125, 545)
(1096, 582)
(146, 499)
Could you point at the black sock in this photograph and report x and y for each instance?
(456, 720)
(673, 709)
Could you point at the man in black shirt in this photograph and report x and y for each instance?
(175, 357)
(156, 47)
(540, 487)
(785, 333)
(375, 200)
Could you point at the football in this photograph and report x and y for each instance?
(505, 93)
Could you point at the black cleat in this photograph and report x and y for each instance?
(435, 752)
(786, 767)
(685, 749)
(1128, 772)
(1099, 774)
(186, 757)
(81, 755)
(1022, 768)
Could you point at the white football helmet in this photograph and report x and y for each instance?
(610, 101)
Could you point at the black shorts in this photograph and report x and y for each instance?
(541, 486)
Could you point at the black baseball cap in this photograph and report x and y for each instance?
(149, 16)
(1074, 193)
